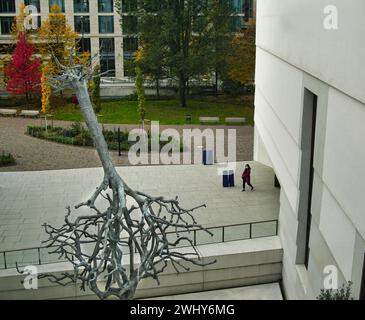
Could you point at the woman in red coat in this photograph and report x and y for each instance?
(246, 177)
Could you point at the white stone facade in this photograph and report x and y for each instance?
(94, 34)
(298, 57)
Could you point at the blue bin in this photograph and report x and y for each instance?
(228, 179)
(208, 157)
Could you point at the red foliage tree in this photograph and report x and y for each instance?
(23, 74)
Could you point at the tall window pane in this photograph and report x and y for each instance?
(130, 44)
(82, 24)
(107, 56)
(84, 45)
(238, 5)
(106, 24)
(105, 5)
(129, 6)
(6, 24)
(7, 6)
(35, 3)
(129, 24)
(107, 46)
(248, 9)
(60, 3)
(81, 6)
(237, 23)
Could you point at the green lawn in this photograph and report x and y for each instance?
(165, 111)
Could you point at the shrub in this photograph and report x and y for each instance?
(343, 293)
(79, 136)
(76, 128)
(7, 159)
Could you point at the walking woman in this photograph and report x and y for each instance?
(246, 177)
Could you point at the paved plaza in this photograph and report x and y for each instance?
(28, 199)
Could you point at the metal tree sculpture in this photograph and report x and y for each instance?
(135, 225)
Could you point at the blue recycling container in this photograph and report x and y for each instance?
(208, 157)
(228, 179)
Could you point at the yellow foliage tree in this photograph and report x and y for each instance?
(18, 25)
(46, 89)
(57, 40)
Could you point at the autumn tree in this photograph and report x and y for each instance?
(244, 51)
(24, 77)
(56, 39)
(18, 25)
(46, 90)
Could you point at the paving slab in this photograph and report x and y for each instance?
(29, 199)
(269, 291)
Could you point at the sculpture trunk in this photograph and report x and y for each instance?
(94, 128)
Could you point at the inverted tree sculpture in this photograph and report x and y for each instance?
(135, 226)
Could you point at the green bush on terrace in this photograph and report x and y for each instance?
(77, 135)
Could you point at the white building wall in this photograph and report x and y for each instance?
(94, 34)
(294, 52)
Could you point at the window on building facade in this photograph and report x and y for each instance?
(84, 45)
(237, 23)
(81, 6)
(107, 56)
(7, 6)
(60, 3)
(130, 45)
(106, 24)
(107, 46)
(129, 6)
(248, 9)
(243, 7)
(129, 24)
(6, 24)
(237, 6)
(105, 6)
(35, 3)
(82, 24)
(306, 177)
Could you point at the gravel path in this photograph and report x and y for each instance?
(33, 154)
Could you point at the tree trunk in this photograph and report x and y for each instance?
(158, 88)
(216, 82)
(182, 91)
(27, 99)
